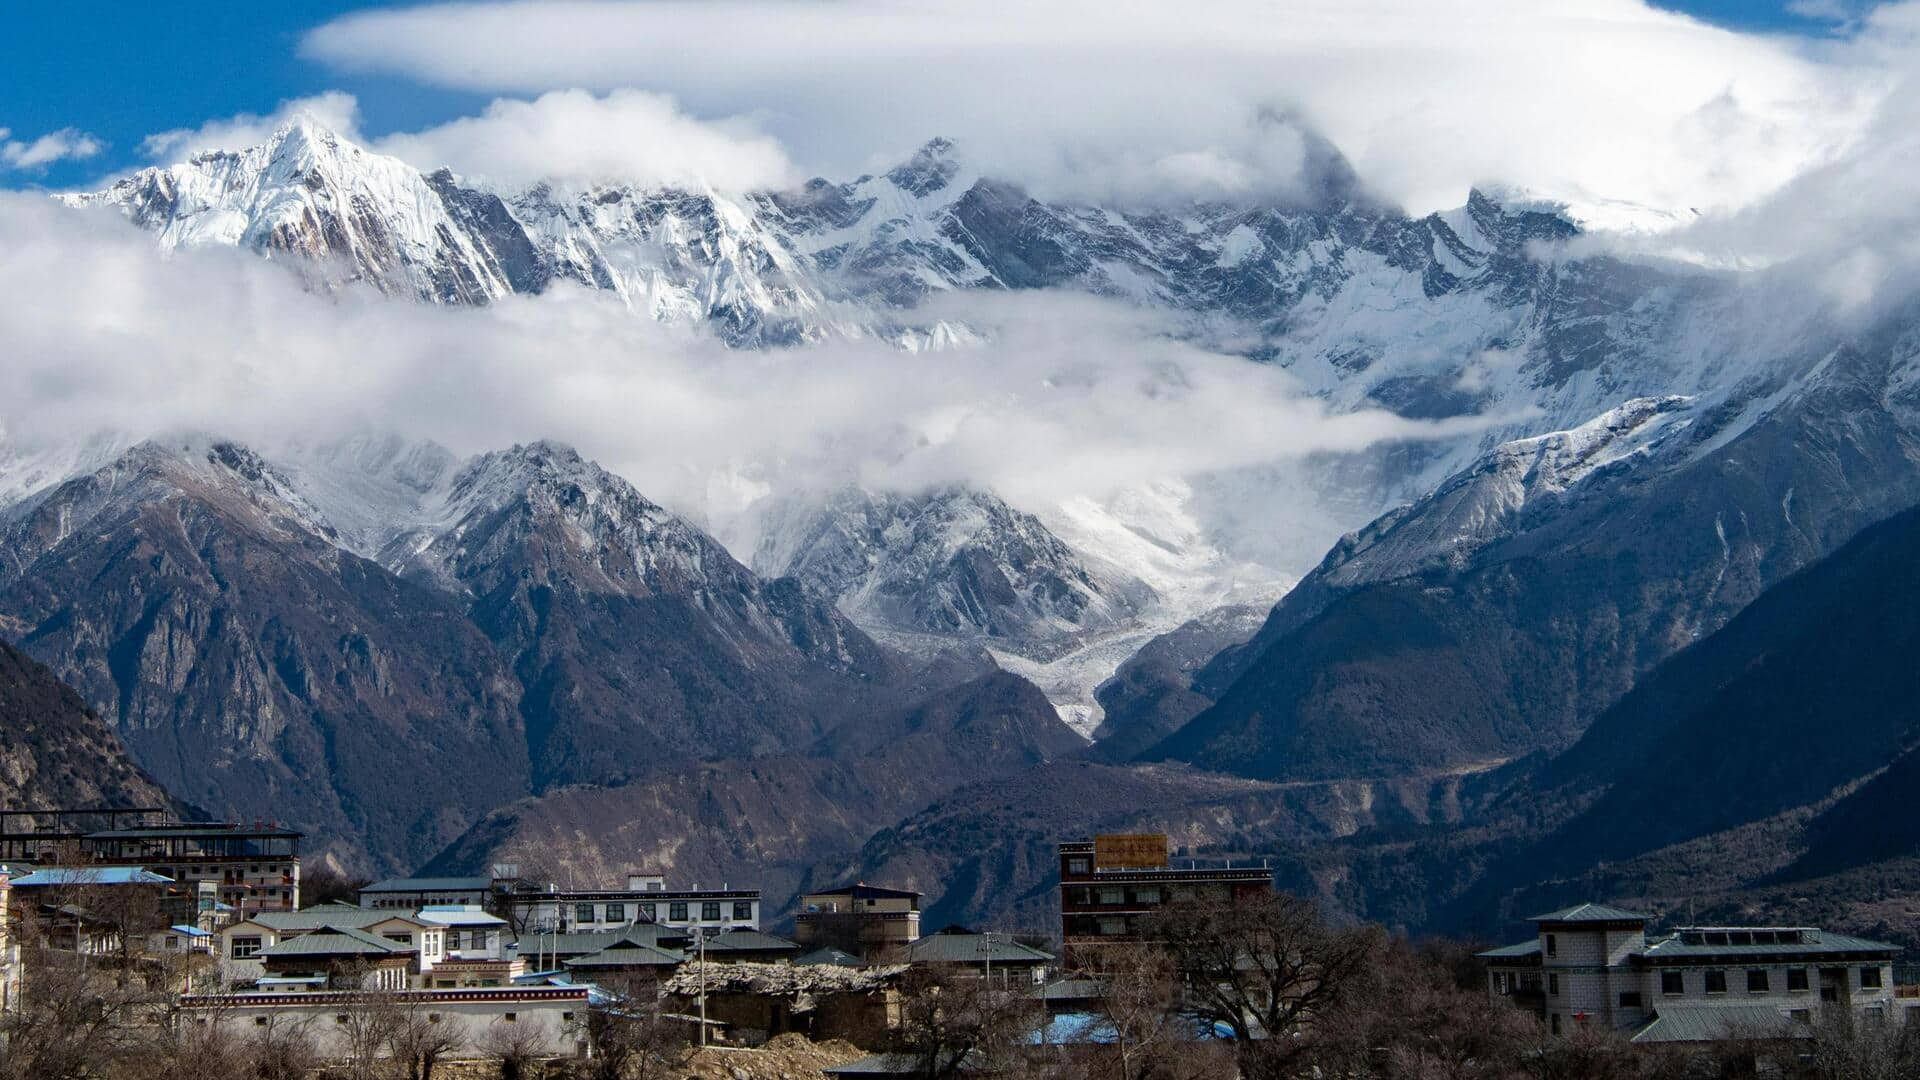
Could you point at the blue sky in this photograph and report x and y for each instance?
(121, 72)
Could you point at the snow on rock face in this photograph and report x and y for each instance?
(1483, 503)
(951, 564)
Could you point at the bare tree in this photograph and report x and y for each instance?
(417, 1041)
(951, 1023)
(1142, 1031)
(514, 1048)
(1855, 1047)
(631, 1037)
(1261, 968)
(282, 1048)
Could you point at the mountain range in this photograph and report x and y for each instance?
(1644, 501)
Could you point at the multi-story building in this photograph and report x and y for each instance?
(869, 921)
(1108, 884)
(412, 894)
(538, 909)
(1593, 966)
(252, 868)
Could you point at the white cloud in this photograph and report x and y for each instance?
(1582, 100)
(67, 144)
(626, 135)
(1075, 395)
(334, 110)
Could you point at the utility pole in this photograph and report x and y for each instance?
(700, 938)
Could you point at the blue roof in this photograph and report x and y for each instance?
(190, 931)
(90, 875)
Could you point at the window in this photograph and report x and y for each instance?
(1756, 980)
(616, 913)
(1148, 895)
(1796, 978)
(1829, 993)
(567, 1016)
(677, 911)
(1113, 927)
(648, 912)
(1870, 978)
(1673, 982)
(1556, 1023)
(1553, 946)
(1114, 895)
(510, 1017)
(1716, 981)
(742, 911)
(433, 1018)
(244, 948)
(1553, 984)
(583, 913)
(340, 1018)
(710, 911)
(398, 939)
(1800, 1016)
(1629, 999)
(1079, 866)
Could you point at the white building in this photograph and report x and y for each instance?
(553, 1018)
(646, 899)
(470, 932)
(1594, 966)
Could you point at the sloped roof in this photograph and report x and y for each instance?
(314, 918)
(581, 944)
(1512, 952)
(1711, 1023)
(336, 941)
(827, 954)
(743, 940)
(629, 955)
(973, 949)
(87, 876)
(1596, 913)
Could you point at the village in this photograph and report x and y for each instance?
(192, 942)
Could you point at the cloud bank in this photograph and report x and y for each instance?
(1074, 396)
(1611, 105)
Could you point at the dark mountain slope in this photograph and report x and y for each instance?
(254, 668)
(55, 752)
(1778, 749)
(1422, 643)
(768, 819)
(636, 636)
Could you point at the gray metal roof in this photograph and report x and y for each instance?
(1814, 942)
(580, 944)
(1512, 952)
(973, 949)
(314, 918)
(1580, 913)
(430, 884)
(1712, 1023)
(744, 940)
(827, 954)
(630, 955)
(336, 941)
